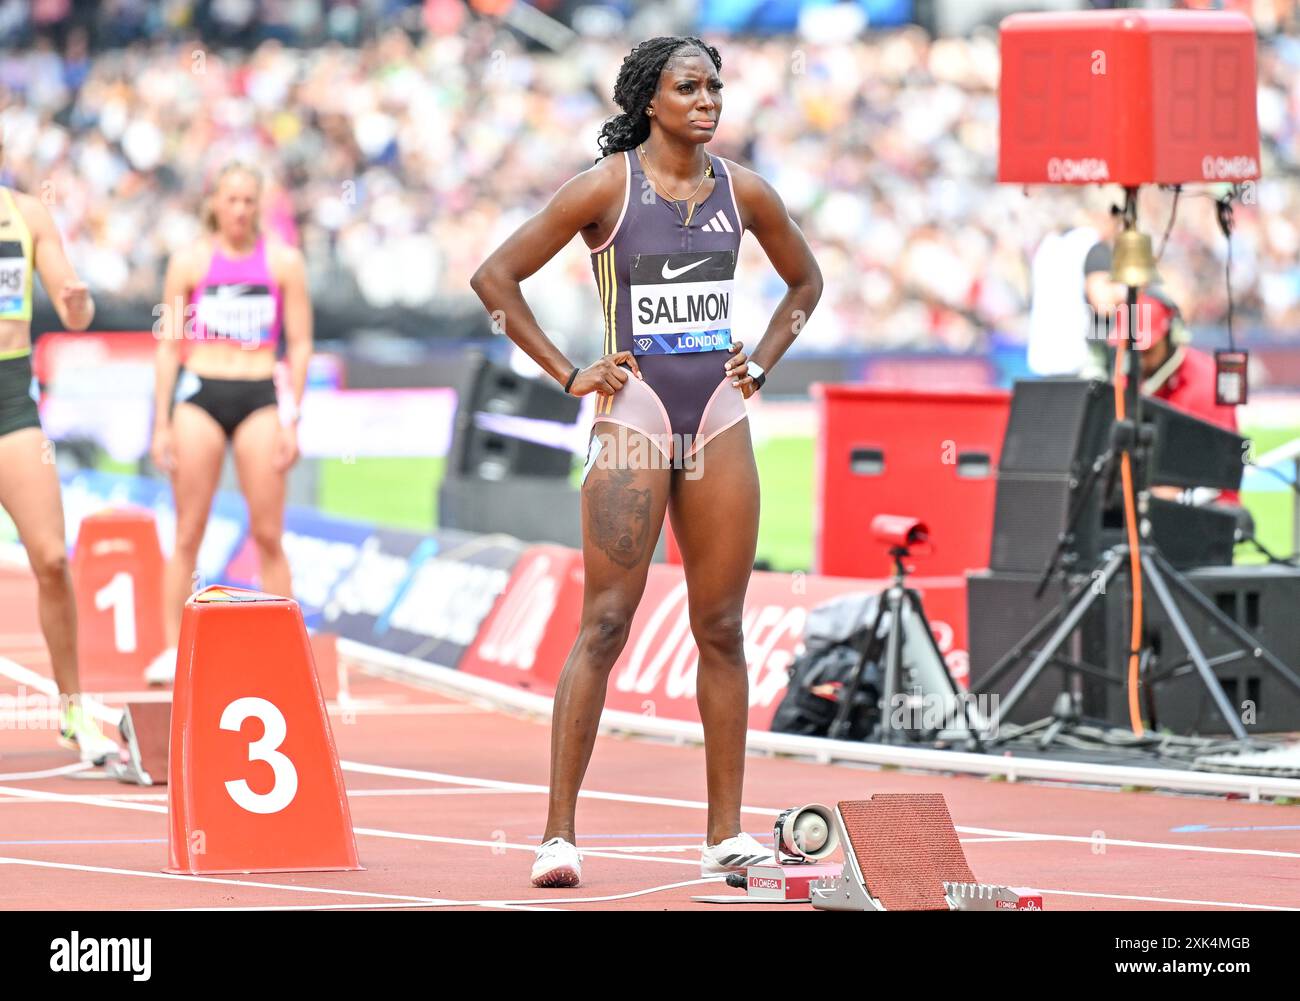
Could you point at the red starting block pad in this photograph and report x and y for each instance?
(901, 853)
(255, 783)
(145, 729)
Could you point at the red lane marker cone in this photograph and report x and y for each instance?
(117, 570)
(255, 784)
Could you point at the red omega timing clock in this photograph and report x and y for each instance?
(1128, 97)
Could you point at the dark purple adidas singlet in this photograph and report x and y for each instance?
(666, 292)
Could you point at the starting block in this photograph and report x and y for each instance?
(255, 783)
(901, 853)
(144, 728)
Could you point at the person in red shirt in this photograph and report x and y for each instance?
(1173, 370)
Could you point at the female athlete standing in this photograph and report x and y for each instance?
(663, 219)
(230, 294)
(29, 481)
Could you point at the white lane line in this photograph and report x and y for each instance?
(147, 874)
(514, 786)
(47, 773)
(1168, 900)
(28, 677)
(529, 787)
(661, 801)
(1122, 843)
(521, 904)
(395, 905)
(524, 787)
(55, 797)
(430, 709)
(366, 831)
(439, 839)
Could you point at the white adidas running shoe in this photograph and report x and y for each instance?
(733, 855)
(162, 669)
(558, 863)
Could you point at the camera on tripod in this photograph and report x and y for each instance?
(900, 532)
(872, 669)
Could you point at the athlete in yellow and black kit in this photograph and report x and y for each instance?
(29, 482)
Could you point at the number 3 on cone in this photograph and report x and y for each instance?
(262, 749)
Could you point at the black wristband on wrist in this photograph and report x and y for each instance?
(572, 375)
(762, 378)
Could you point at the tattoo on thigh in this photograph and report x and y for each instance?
(620, 517)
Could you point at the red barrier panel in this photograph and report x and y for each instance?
(527, 636)
(931, 455)
(117, 568)
(530, 632)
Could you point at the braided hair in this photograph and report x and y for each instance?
(638, 79)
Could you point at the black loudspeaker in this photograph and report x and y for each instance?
(1262, 600)
(496, 389)
(1056, 429)
(1030, 512)
(1190, 452)
(1186, 536)
(533, 509)
(1001, 610)
(490, 455)
(486, 453)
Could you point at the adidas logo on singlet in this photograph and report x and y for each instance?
(718, 224)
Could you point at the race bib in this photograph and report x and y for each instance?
(240, 311)
(13, 276)
(681, 303)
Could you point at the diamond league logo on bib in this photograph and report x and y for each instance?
(681, 303)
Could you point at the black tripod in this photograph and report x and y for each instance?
(1134, 266)
(902, 605)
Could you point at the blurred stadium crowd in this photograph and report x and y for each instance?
(399, 157)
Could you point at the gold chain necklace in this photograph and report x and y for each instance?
(690, 205)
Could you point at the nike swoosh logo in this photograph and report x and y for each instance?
(232, 291)
(674, 272)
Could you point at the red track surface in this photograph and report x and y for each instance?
(458, 827)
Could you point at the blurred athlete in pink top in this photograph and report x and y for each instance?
(227, 299)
